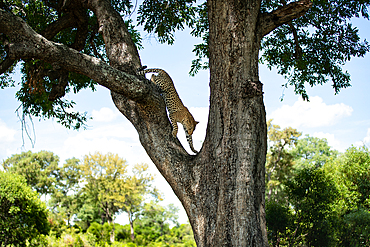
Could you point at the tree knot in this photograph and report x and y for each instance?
(251, 89)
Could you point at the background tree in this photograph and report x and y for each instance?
(104, 175)
(154, 222)
(64, 197)
(279, 220)
(137, 187)
(40, 169)
(23, 217)
(312, 194)
(279, 159)
(63, 46)
(313, 151)
(352, 174)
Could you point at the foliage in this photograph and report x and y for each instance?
(327, 198)
(23, 217)
(313, 152)
(312, 194)
(165, 17)
(311, 49)
(154, 222)
(104, 177)
(279, 219)
(137, 187)
(353, 179)
(86, 195)
(73, 238)
(279, 159)
(64, 199)
(101, 232)
(356, 172)
(40, 79)
(40, 169)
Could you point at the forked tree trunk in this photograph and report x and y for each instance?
(222, 188)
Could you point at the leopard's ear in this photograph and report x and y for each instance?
(196, 122)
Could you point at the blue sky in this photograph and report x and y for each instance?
(343, 119)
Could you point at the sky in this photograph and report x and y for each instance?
(342, 119)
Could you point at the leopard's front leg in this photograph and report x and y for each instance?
(174, 125)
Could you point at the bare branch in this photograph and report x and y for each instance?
(283, 15)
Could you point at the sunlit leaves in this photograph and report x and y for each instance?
(279, 160)
(313, 152)
(40, 169)
(23, 216)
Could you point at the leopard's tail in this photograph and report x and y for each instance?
(190, 141)
(143, 70)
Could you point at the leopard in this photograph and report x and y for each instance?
(178, 113)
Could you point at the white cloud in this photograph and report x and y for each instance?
(6, 134)
(121, 138)
(332, 141)
(105, 114)
(367, 138)
(7, 140)
(365, 141)
(310, 114)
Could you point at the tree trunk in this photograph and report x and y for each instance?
(112, 236)
(222, 187)
(132, 232)
(230, 203)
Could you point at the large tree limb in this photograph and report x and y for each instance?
(25, 43)
(120, 48)
(283, 15)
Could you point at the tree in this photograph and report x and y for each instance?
(40, 169)
(353, 176)
(312, 194)
(104, 177)
(279, 159)
(64, 196)
(136, 187)
(279, 220)
(312, 151)
(222, 187)
(154, 220)
(23, 217)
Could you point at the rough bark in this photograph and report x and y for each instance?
(222, 187)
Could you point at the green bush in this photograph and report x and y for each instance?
(23, 217)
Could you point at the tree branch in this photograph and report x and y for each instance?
(55, 27)
(120, 48)
(283, 15)
(25, 43)
(5, 64)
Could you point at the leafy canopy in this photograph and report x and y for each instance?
(23, 217)
(40, 169)
(308, 51)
